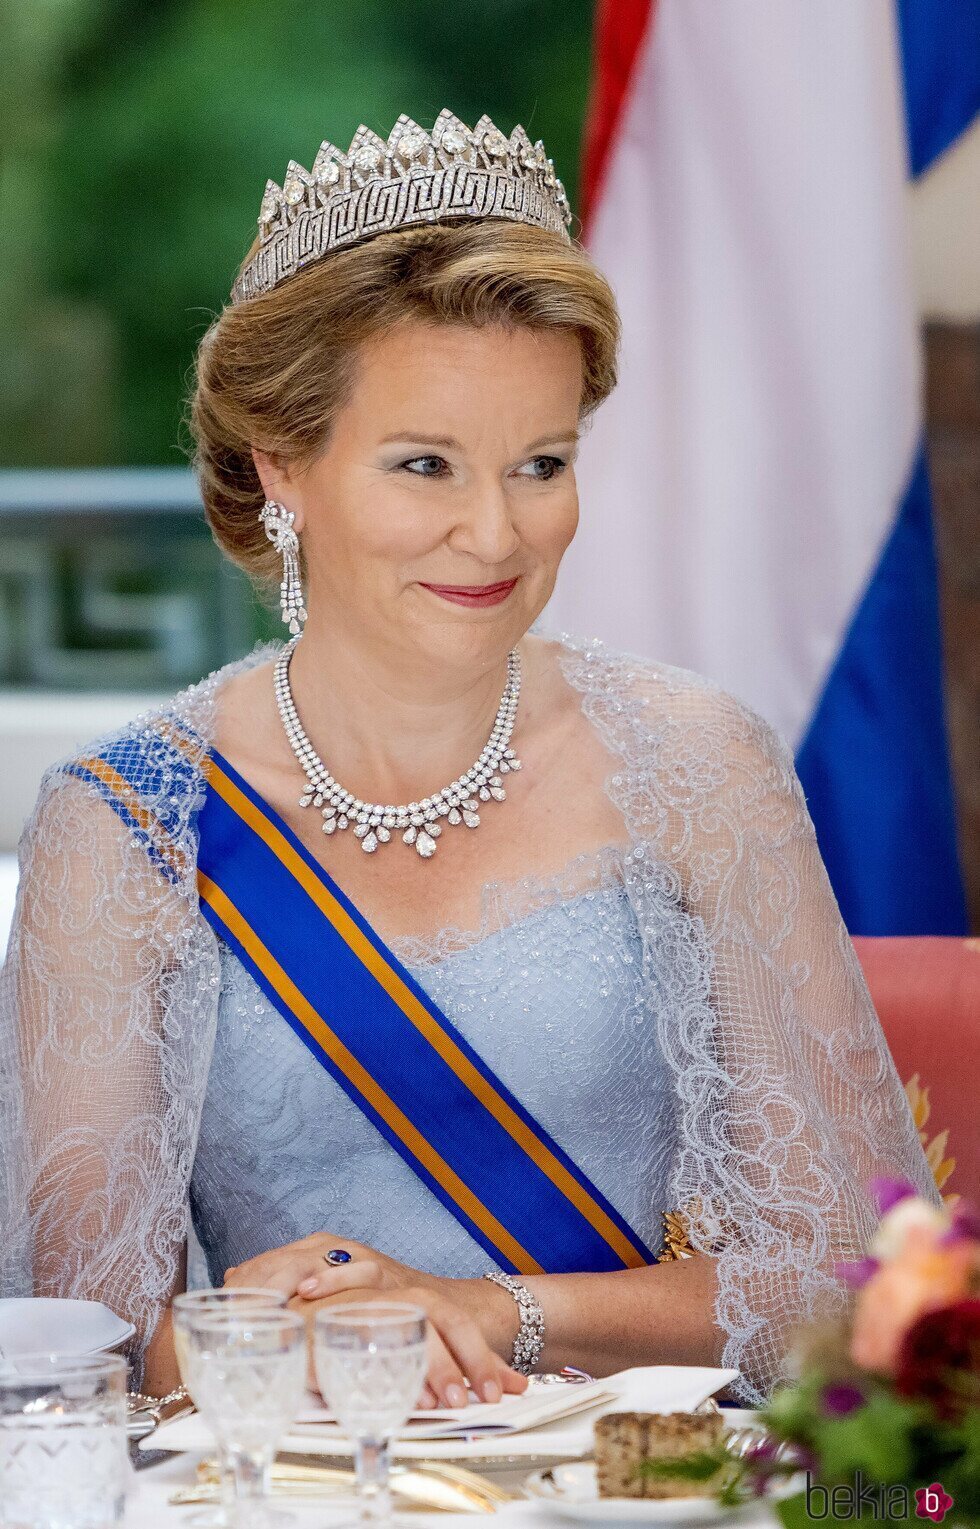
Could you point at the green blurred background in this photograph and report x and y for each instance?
(136, 142)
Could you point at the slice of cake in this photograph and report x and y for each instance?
(625, 1440)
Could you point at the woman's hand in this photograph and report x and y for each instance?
(300, 1268)
(458, 1351)
(458, 1347)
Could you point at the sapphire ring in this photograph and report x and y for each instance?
(337, 1256)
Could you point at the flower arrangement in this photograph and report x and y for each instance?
(885, 1414)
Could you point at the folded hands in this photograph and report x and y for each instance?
(461, 1313)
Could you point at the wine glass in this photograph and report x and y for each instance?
(238, 1298)
(370, 1359)
(226, 1298)
(245, 1369)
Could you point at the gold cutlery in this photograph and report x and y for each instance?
(432, 1485)
(469, 1479)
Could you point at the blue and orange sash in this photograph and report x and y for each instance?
(369, 1024)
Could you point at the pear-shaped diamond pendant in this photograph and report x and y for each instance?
(418, 824)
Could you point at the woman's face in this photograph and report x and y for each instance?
(449, 470)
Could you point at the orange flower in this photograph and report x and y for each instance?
(922, 1277)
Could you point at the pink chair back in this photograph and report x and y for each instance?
(927, 994)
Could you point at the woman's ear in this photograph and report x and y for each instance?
(278, 484)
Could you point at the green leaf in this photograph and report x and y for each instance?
(734, 1492)
(791, 1511)
(723, 1475)
(877, 1439)
(697, 1466)
(793, 1411)
(969, 1432)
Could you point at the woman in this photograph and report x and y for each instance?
(393, 1020)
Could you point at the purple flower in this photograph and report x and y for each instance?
(760, 1458)
(964, 1225)
(840, 1398)
(887, 1192)
(858, 1273)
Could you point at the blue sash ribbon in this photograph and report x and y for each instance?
(371, 1026)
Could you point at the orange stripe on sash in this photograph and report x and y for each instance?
(362, 1080)
(141, 816)
(442, 1043)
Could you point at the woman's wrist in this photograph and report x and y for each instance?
(493, 1309)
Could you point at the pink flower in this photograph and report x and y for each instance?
(911, 1221)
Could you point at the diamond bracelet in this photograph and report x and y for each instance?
(529, 1342)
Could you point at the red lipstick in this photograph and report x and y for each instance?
(473, 594)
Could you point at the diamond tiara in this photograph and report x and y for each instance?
(416, 177)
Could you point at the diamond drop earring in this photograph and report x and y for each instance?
(278, 523)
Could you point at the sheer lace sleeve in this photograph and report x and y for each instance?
(106, 1026)
(788, 1099)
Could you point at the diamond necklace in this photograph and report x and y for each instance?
(419, 823)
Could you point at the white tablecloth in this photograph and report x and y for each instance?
(148, 1507)
(652, 1388)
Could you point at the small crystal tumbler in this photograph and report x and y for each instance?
(64, 1462)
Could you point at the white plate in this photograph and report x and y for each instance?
(572, 1489)
(43, 1325)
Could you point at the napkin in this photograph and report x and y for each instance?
(565, 1429)
(514, 1414)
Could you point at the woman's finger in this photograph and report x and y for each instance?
(490, 1376)
(444, 1378)
(467, 1353)
(282, 1270)
(327, 1279)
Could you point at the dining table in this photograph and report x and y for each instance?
(149, 1506)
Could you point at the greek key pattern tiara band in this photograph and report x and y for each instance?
(416, 177)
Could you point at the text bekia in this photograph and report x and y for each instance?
(872, 1501)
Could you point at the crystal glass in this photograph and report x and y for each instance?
(238, 1298)
(225, 1299)
(64, 1462)
(370, 1359)
(245, 1369)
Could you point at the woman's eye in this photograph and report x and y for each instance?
(553, 465)
(439, 463)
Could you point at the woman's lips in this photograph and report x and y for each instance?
(473, 594)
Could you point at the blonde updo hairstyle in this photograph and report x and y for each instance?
(273, 372)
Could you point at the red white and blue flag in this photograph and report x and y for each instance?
(756, 499)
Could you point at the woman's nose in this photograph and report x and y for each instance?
(485, 526)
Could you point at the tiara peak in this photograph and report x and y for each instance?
(414, 177)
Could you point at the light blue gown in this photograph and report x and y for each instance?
(696, 1028)
(554, 1003)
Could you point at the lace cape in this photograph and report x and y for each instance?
(787, 1099)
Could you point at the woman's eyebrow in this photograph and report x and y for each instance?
(560, 438)
(420, 437)
(563, 438)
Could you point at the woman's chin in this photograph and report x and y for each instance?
(462, 634)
